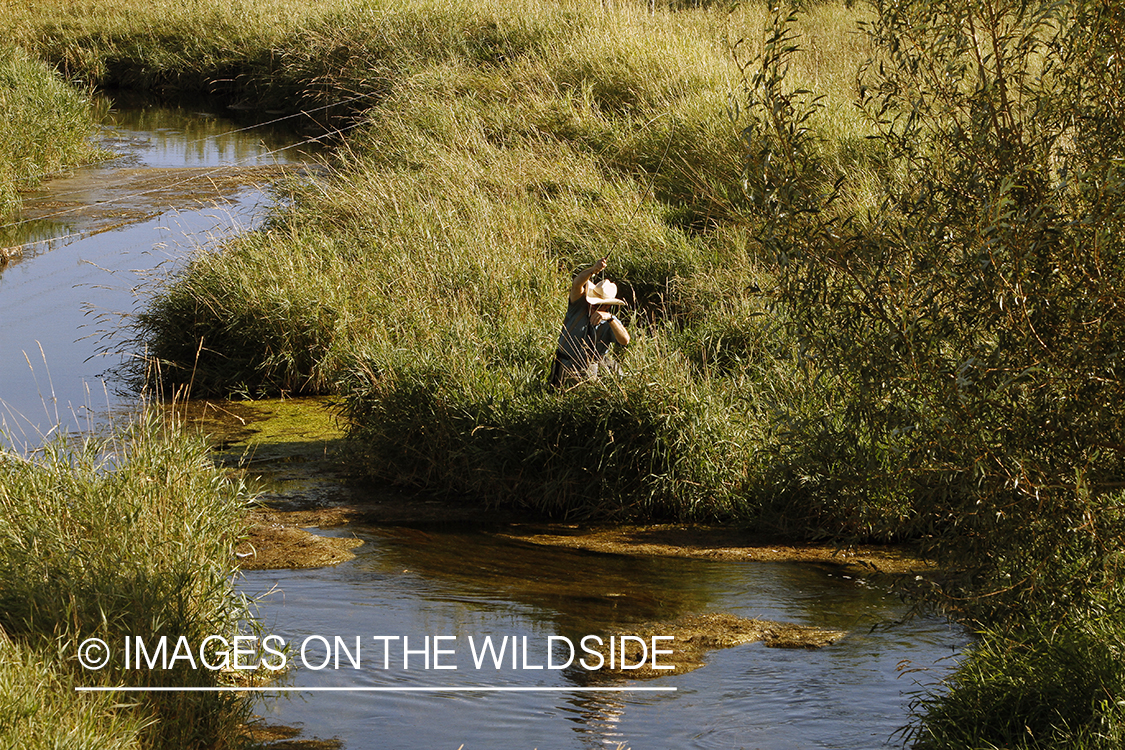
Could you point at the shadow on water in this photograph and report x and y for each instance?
(569, 591)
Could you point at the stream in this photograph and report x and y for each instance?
(95, 241)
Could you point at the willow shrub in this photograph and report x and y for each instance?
(968, 332)
(127, 535)
(968, 328)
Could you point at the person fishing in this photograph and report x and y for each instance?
(588, 328)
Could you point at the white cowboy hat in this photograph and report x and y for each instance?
(603, 293)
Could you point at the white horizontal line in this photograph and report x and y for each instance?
(464, 689)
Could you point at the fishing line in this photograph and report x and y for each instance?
(652, 177)
(648, 188)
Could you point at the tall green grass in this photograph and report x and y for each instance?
(45, 125)
(647, 444)
(509, 145)
(40, 710)
(126, 535)
(506, 145)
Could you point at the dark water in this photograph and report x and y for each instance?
(121, 226)
(418, 583)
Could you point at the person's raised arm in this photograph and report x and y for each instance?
(578, 288)
(620, 333)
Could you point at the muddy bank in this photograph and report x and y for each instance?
(282, 540)
(293, 447)
(693, 636)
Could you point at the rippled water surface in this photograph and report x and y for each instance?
(418, 583)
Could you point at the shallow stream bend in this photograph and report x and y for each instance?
(125, 221)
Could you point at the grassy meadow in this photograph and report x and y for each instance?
(874, 275)
(492, 151)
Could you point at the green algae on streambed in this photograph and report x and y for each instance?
(269, 430)
(288, 449)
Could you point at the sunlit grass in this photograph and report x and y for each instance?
(42, 711)
(505, 145)
(126, 535)
(44, 126)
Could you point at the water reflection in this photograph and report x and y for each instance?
(570, 590)
(91, 241)
(191, 136)
(464, 585)
(598, 717)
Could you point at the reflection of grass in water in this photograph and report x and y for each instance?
(572, 590)
(125, 197)
(181, 125)
(32, 231)
(275, 737)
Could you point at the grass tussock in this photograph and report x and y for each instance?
(130, 535)
(646, 445)
(44, 126)
(508, 146)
